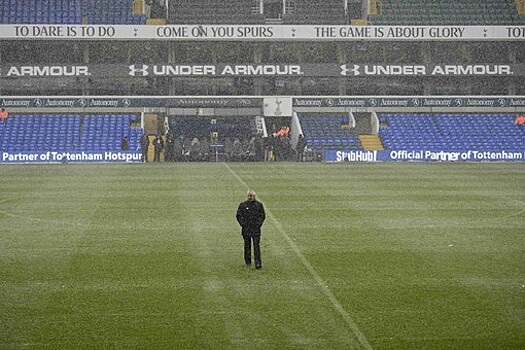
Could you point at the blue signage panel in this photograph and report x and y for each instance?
(434, 102)
(70, 157)
(342, 156)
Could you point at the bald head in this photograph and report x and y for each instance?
(251, 195)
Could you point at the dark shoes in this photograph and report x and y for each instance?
(257, 267)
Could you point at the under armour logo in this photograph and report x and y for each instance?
(134, 70)
(354, 71)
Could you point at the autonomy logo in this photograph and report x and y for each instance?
(138, 70)
(353, 71)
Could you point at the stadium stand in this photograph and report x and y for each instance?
(189, 127)
(325, 131)
(316, 12)
(214, 12)
(451, 132)
(111, 12)
(227, 138)
(40, 12)
(65, 133)
(329, 12)
(104, 132)
(69, 12)
(251, 12)
(447, 12)
(95, 133)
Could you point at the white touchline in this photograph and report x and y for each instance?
(30, 218)
(327, 292)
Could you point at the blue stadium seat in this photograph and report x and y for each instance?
(324, 131)
(68, 12)
(447, 12)
(452, 132)
(63, 133)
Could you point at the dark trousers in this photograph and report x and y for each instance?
(248, 250)
(157, 156)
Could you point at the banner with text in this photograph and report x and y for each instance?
(379, 102)
(70, 157)
(127, 102)
(217, 102)
(259, 32)
(341, 156)
(260, 70)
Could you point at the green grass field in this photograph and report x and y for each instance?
(355, 256)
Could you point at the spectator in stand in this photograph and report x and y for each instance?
(228, 149)
(283, 148)
(144, 144)
(158, 143)
(259, 148)
(124, 144)
(178, 151)
(519, 121)
(245, 149)
(147, 8)
(186, 148)
(252, 152)
(271, 145)
(169, 155)
(3, 116)
(277, 148)
(205, 150)
(299, 148)
(237, 151)
(284, 131)
(287, 148)
(195, 149)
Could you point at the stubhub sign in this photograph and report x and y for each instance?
(341, 156)
(350, 156)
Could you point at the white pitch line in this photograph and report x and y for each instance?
(363, 342)
(26, 217)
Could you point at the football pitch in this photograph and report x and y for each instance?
(355, 256)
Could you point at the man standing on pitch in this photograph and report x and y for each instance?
(250, 216)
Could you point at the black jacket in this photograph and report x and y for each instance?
(251, 215)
